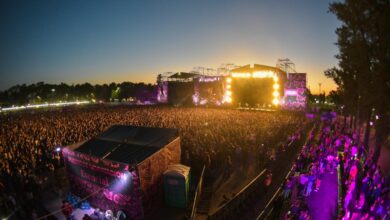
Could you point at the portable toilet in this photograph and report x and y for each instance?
(177, 185)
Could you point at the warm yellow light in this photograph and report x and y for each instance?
(263, 74)
(229, 99)
(228, 86)
(229, 93)
(229, 80)
(276, 94)
(276, 86)
(241, 75)
(275, 102)
(276, 78)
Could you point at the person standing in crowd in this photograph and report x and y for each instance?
(67, 210)
(267, 182)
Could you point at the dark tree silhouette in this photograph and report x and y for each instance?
(363, 73)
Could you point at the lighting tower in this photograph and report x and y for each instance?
(286, 65)
(319, 88)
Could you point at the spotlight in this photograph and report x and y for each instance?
(126, 175)
(229, 80)
(276, 94)
(58, 149)
(276, 86)
(275, 102)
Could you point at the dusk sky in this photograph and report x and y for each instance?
(114, 41)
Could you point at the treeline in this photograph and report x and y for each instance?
(363, 71)
(42, 92)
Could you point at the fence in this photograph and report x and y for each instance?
(233, 206)
(242, 199)
(268, 208)
(197, 194)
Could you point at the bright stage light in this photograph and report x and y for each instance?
(291, 92)
(263, 74)
(125, 175)
(241, 75)
(257, 74)
(58, 149)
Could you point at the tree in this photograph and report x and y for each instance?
(363, 69)
(335, 97)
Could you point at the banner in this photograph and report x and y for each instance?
(107, 185)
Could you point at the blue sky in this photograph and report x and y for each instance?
(114, 41)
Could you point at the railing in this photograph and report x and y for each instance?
(197, 194)
(233, 205)
(340, 190)
(268, 208)
(237, 203)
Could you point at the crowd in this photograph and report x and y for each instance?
(219, 138)
(366, 193)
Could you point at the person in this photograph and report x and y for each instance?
(67, 210)
(310, 181)
(86, 217)
(267, 182)
(287, 188)
(120, 215)
(95, 214)
(109, 215)
(302, 183)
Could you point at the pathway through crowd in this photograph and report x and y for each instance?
(323, 204)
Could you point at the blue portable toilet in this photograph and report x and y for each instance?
(176, 185)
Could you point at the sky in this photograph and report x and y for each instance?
(114, 41)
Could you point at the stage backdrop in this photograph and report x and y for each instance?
(107, 184)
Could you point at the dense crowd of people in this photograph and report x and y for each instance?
(366, 193)
(30, 141)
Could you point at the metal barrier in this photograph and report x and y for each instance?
(268, 209)
(233, 205)
(237, 203)
(197, 194)
(340, 194)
